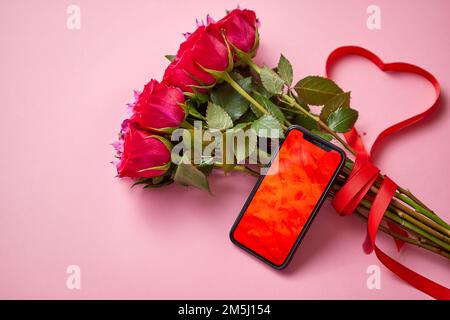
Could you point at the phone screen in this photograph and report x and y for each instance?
(286, 199)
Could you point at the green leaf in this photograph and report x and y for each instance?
(263, 156)
(245, 149)
(267, 127)
(323, 135)
(193, 110)
(236, 75)
(206, 166)
(154, 182)
(159, 185)
(157, 179)
(198, 97)
(271, 107)
(239, 126)
(342, 120)
(258, 113)
(258, 87)
(305, 121)
(217, 117)
(339, 101)
(188, 175)
(271, 81)
(228, 167)
(249, 116)
(285, 70)
(170, 57)
(230, 100)
(142, 181)
(302, 103)
(316, 90)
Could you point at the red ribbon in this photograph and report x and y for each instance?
(365, 173)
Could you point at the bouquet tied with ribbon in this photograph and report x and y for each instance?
(183, 127)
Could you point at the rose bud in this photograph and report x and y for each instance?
(205, 48)
(158, 108)
(241, 29)
(141, 154)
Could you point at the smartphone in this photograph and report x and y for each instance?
(286, 199)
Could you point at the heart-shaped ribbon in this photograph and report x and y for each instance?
(365, 173)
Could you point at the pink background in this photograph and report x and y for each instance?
(62, 99)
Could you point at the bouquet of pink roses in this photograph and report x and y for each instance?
(212, 91)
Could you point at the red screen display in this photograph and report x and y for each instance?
(286, 198)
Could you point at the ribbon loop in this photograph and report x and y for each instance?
(376, 213)
(365, 173)
(358, 184)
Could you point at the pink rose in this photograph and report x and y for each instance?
(241, 29)
(206, 48)
(141, 154)
(158, 109)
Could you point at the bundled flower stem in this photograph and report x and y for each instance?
(213, 80)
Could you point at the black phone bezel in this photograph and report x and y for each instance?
(321, 143)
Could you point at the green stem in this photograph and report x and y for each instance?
(367, 204)
(246, 59)
(421, 210)
(288, 110)
(402, 197)
(226, 76)
(397, 205)
(186, 125)
(414, 198)
(422, 239)
(437, 233)
(403, 211)
(240, 168)
(409, 240)
(291, 101)
(242, 92)
(247, 170)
